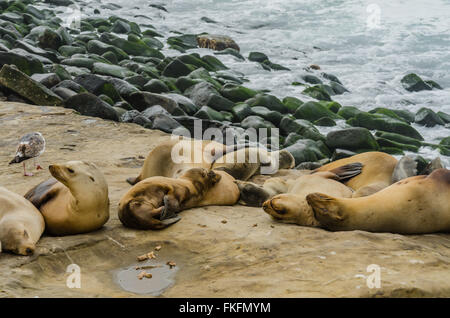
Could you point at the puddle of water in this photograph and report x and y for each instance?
(162, 278)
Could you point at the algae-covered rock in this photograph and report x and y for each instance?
(257, 57)
(271, 115)
(156, 86)
(394, 144)
(317, 92)
(26, 64)
(200, 93)
(46, 37)
(384, 123)
(176, 68)
(237, 93)
(398, 138)
(220, 103)
(292, 103)
(142, 100)
(100, 48)
(186, 104)
(325, 122)
(47, 79)
(348, 112)
(357, 138)
(185, 41)
(300, 126)
(313, 111)
(241, 111)
(311, 79)
(256, 122)
(306, 150)
(444, 116)
(231, 51)
(428, 118)
(28, 88)
(413, 83)
(269, 101)
(111, 70)
(90, 105)
(208, 113)
(216, 42)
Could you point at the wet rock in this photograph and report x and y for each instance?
(69, 84)
(325, 122)
(46, 37)
(292, 103)
(220, 103)
(90, 105)
(176, 68)
(137, 80)
(311, 79)
(156, 86)
(413, 83)
(48, 79)
(384, 123)
(184, 103)
(124, 88)
(241, 111)
(257, 57)
(200, 93)
(388, 143)
(306, 150)
(129, 116)
(208, 113)
(256, 122)
(428, 118)
(120, 27)
(331, 77)
(183, 42)
(352, 139)
(341, 154)
(398, 138)
(67, 50)
(271, 115)
(132, 46)
(165, 123)
(142, 100)
(300, 126)
(313, 111)
(231, 51)
(111, 70)
(97, 85)
(215, 63)
(153, 111)
(444, 116)
(338, 89)
(28, 88)
(100, 48)
(36, 50)
(403, 115)
(317, 92)
(26, 64)
(64, 93)
(81, 62)
(237, 93)
(216, 42)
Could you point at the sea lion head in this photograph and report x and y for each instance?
(251, 194)
(287, 209)
(203, 179)
(15, 238)
(80, 177)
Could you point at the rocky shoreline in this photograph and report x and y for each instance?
(115, 69)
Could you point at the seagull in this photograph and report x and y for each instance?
(31, 145)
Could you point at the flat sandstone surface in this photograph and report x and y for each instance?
(249, 255)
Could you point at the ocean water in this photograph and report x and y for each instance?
(368, 45)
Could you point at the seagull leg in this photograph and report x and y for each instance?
(38, 166)
(25, 173)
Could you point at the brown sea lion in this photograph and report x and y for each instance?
(76, 201)
(292, 207)
(21, 224)
(154, 202)
(416, 205)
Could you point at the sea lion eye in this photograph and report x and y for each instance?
(70, 170)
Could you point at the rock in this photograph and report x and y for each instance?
(257, 57)
(352, 139)
(153, 111)
(69, 84)
(214, 62)
(111, 70)
(100, 48)
(28, 88)
(111, 57)
(348, 112)
(444, 116)
(256, 122)
(331, 77)
(231, 51)
(237, 93)
(413, 83)
(208, 113)
(428, 118)
(241, 111)
(433, 84)
(142, 100)
(156, 86)
(387, 143)
(165, 123)
(313, 111)
(292, 103)
(36, 50)
(48, 79)
(184, 42)
(132, 46)
(216, 42)
(81, 62)
(176, 68)
(46, 37)
(219, 103)
(137, 80)
(90, 105)
(338, 89)
(120, 26)
(64, 93)
(97, 85)
(67, 50)
(312, 79)
(317, 92)
(398, 138)
(269, 101)
(302, 127)
(399, 114)
(384, 123)
(305, 150)
(325, 122)
(129, 116)
(124, 88)
(333, 106)
(26, 64)
(341, 154)
(273, 116)
(200, 93)
(184, 103)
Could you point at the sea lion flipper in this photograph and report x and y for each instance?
(324, 206)
(168, 222)
(171, 207)
(42, 193)
(348, 171)
(134, 180)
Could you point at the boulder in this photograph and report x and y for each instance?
(47, 79)
(357, 138)
(428, 118)
(313, 111)
(28, 88)
(90, 105)
(26, 64)
(216, 42)
(413, 83)
(143, 100)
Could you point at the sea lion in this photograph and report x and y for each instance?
(174, 157)
(416, 205)
(405, 168)
(376, 174)
(153, 203)
(76, 201)
(292, 207)
(21, 224)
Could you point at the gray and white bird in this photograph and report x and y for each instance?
(31, 146)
